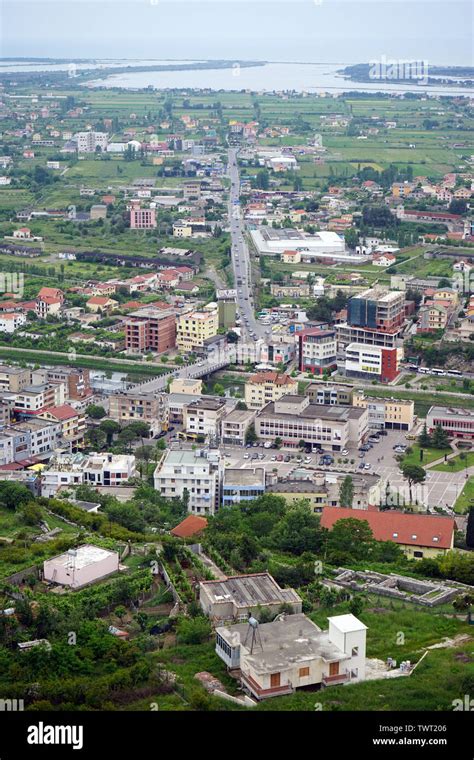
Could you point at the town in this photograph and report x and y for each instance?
(237, 415)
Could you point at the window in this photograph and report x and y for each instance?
(355, 651)
(303, 672)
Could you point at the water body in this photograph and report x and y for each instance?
(6, 65)
(301, 77)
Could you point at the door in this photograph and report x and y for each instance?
(274, 680)
(333, 668)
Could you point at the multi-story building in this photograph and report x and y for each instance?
(235, 425)
(431, 318)
(297, 654)
(294, 418)
(150, 329)
(190, 475)
(11, 321)
(130, 406)
(73, 425)
(142, 218)
(242, 484)
(89, 142)
(378, 309)
(77, 381)
(227, 307)
(331, 395)
(456, 422)
(109, 469)
(203, 417)
(278, 349)
(264, 387)
(186, 385)
(371, 362)
(196, 327)
(41, 436)
(322, 489)
(33, 399)
(386, 413)
(317, 350)
(14, 379)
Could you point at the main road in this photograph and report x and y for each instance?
(251, 329)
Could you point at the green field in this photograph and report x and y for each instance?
(456, 464)
(465, 499)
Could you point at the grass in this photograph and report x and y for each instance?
(456, 464)
(465, 498)
(429, 455)
(37, 357)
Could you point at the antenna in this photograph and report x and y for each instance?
(254, 634)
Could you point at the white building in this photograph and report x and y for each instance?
(193, 472)
(324, 244)
(79, 567)
(109, 469)
(11, 321)
(292, 652)
(88, 142)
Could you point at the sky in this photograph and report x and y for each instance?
(340, 31)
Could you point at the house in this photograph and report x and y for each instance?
(293, 652)
(383, 259)
(23, 233)
(418, 535)
(239, 596)
(71, 420)
(291, 257)
(55, 293)
(192, 525)
(101, 304)
(47, 305)
(11, 321)
(431, 318)
(80, 567)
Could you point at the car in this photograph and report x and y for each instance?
(307, 460)
(279, 457)
(362, 466)
(286, 459)
(273, 458)
(267, 445)
(254, 456)
(262, 455)
(246, 456)
(361, 454)
(367, 466)
(374, 438)
(344, 452)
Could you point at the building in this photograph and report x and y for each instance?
(456, 422)
(317, 350)
(127, 406)
(278, 349)
(76, 380)
(203, 417)
(11, 321)
(431, 318)
(106, 469)
(186, 385)
(142, 218)
(378, 309)
(322, 489)
(72, 422)
(62, 471)
(371, 362)
(189, 475)
(277, 658)
(239, 596)
(418, 535)
(264, 387)
(194, 328)
(290, 290)
(101, 304)
(227, 307)
(192, 525)
(150, 329)
(293, 419)
(321, 245)
(234, 426)
(331, 395)
(33, 399)
(14, 379)
(242, 484)
(80, 567)
(91, 142)
(386, 413)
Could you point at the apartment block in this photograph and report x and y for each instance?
(89, 142)
(192, 475)
(203, 417)
(317, 350)
(142, 218)
(242, 484)
(235, 426)
(196, 327)
(32, 399)
(77, 381)
(14, 379)
(331, 395)
(130, 406)
(264, 387)
(150, 329)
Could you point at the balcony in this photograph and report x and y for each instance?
(274, 691)
(336, 680)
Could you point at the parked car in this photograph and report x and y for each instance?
(367, 466)
(344, 452)
(246, 456)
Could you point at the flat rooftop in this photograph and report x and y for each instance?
(314, 411)
(451, 412)
(289, 640)
(249, 590)
(244, 477)
(84, 556)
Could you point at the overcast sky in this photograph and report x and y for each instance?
(439, 31)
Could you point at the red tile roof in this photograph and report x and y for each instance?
(400, 527)
(189, 526)
(63, 412)
(272, 377)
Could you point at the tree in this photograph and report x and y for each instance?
(424, 439)
(95, 438)
(193, 630)
(439, 439)
(219, 389)
(346, 492)
(109, 428)
(31, 513)
(414, 474)
(95, 411)
(13, 495)
(278, 441)
(350, 538)
(241, 406)
(356, 605)
(250, 434)
(120, 611)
